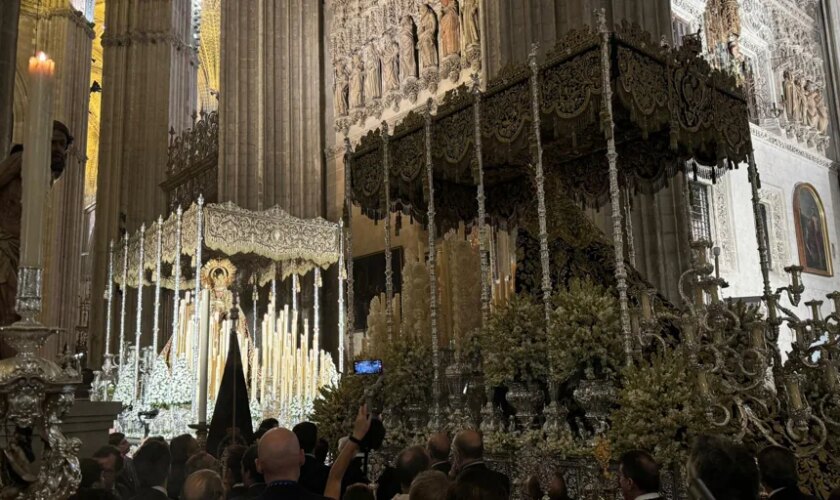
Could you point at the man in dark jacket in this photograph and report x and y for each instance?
(279, 459)
(313, 474)
(252, 479)
(151, 462)
(438, 449)
(469, 461)
(777, 469)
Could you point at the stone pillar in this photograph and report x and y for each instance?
(831, 24)
(63, 33)
(8, 48)
(511, 27)
(148, 87)
(271, 138)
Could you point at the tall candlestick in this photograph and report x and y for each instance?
(35, 172)
(124, 298)
(138, 330)
(203, 306)
(110, 298)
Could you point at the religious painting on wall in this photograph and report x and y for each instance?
(369, 282)
(811, 231)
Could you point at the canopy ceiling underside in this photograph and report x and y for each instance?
(669, 107)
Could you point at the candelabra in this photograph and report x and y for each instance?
(734, 351)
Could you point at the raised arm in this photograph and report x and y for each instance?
(339, 467)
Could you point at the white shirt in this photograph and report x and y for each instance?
(775, 491)
(648, 496)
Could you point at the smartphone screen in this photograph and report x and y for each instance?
(368, 367)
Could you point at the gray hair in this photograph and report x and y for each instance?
(429, 485)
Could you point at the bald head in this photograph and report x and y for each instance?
(438, 446)
(469, 446)
(279, 455)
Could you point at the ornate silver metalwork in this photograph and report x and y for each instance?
(138, 330)
(342, 320)
(176, 293)
(628, 227)
(389, 271)
(608, 126)
(28, 300)
(482, 214)
(431, 264)
(348, 237)
(540, 182)
(124, 300)
(158, 277)
(109, 298)
(316, 311)
(199, 244)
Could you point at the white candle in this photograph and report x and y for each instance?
(203, 342)
(35, 172)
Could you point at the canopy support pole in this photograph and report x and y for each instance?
(139, 324)
(341, 313)
(608, 125)
(389, 272)
(199, 243)
(158, 265)
(431, 263)
(348, 246)
(124, 299)
(478, 175)
(110, 299)
(545, 261)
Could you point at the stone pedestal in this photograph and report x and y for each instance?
(91, 421)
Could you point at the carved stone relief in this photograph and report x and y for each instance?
(774, 199)
(385, 51)
(724, 235)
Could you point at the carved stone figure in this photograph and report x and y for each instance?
(373, 76)
(341, 90)
(391, 67)
(428, 38)
(357, 83)
(817, 112)
(408, 54)
(789, 88)
(450, 29)
(472, 35)
(722, 22)
(801, 104)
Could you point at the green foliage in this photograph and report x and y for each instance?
(513, 343)
(657, 408)
(336, 406)
(585, 335)
(408, 372)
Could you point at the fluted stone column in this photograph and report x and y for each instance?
(62, 32)
(830, 14)
(271, 136)
(8, 52)
(511, 27)
(148, 86)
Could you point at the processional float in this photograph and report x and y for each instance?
(198, 255)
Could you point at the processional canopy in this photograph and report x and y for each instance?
(260, 238)
(669, 106)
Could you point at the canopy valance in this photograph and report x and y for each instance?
(669, 106)
(296, 245)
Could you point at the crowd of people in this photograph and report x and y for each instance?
(292, 464)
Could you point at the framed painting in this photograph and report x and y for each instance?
(811, 231)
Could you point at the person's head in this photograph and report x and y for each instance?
(182, 448)
(473, 485)
(557, 488)
(200, 461)
(835, 495)
(118, 441)
(411, 462)
(726, 469)
(268, 424)
(250, 474)
(111, 461)
(279, 455)
(91, 473)
(232, 460)
(469, 448)
(203, 485)
(307, 434)
(438, 447)
(638, 474)
(429, 485)
(322, 448)
(61, 141)
(151, 462)
(777, 467)
(358, 491)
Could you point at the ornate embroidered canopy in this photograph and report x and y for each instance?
(262, 238)
(669, 106)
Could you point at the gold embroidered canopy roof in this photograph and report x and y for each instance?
(669, 105)
(267, 237)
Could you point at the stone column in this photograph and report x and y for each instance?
(8, 47)
(148, 87)
(831, 24)
(511, 27)
(63, 33)
(271, 139)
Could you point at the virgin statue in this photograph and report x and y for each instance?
(428, 38)
(408, 56)
(373, 78)
(357, 82)
(340, 97)
(450, 29)
(471, 22)
(391, 67)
